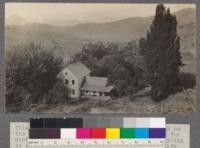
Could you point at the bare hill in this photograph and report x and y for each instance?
(71, 39)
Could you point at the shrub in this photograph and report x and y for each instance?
(58, 94)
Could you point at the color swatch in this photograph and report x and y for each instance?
(68, 133)
(56, 123)
(127, 133)
(112, 133)
(51, 133)
(142, 133)
(96, 133)
(157, 132)
(126, 122)
(83, 133)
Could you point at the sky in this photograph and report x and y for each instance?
(73, 13)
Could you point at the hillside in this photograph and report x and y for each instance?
(118, 31)
(70, 39)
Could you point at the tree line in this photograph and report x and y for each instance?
(122, 66)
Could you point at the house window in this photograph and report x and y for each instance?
(66, 81)
(73, 82)
(73, 91)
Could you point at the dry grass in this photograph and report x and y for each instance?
(179, 103)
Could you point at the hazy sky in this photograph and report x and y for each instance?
(73, 13)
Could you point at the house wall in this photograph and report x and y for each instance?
(93, 93)
(81, 80)
(68, 75)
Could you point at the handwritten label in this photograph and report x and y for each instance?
(178, 136)
(19, 134)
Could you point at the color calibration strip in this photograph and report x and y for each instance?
(126, 122)
(97, 128)
(19, 132)
(82, 137)
(96, 133)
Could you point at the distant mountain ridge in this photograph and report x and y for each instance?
(71, 39)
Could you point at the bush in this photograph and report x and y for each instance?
(31, 72)
(188, 80)
(58, 94)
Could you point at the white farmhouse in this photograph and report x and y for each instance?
(73, 76)
(77, 78)
(95, 86)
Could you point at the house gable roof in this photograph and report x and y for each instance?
(98, 81)
(96, 84)
(78, 69)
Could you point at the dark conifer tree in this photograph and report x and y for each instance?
(162, 57)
